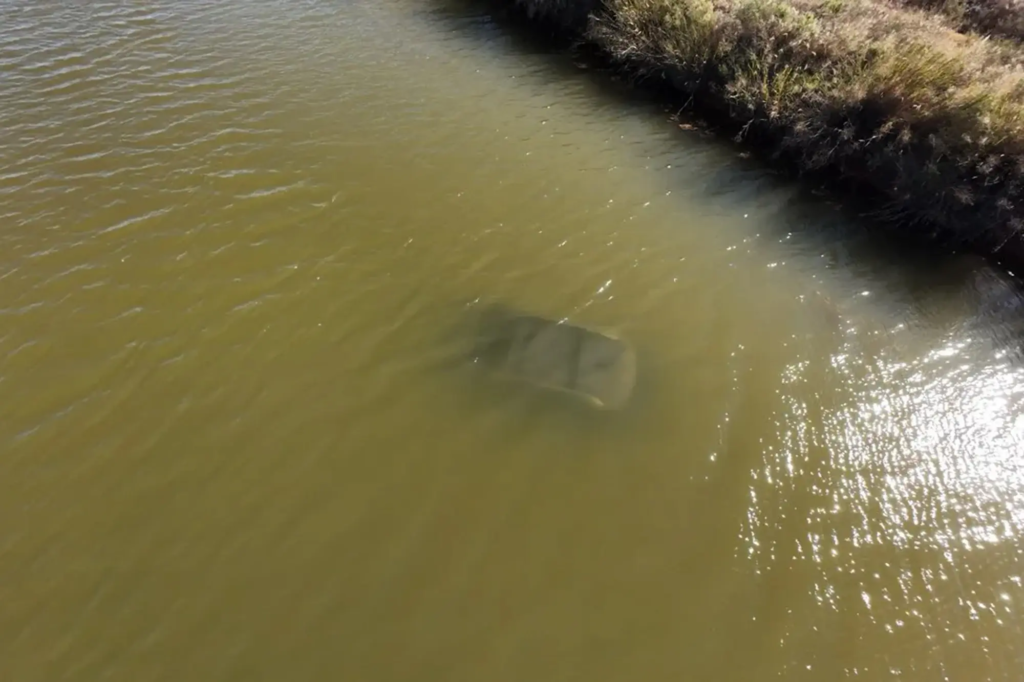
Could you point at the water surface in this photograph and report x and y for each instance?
(237, 241)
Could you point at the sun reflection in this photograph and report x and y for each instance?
(935, 445)
(901, 489)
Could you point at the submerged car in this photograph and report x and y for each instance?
(593, 365)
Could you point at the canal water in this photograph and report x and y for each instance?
(239, 242)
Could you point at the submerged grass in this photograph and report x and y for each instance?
(882, 97)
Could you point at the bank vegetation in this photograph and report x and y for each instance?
(919, 102)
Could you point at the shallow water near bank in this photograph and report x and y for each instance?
(237, 439)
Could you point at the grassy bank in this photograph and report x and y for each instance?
(907, 105)
(997, 18)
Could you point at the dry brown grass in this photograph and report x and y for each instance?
(885, 98)
(997, 18)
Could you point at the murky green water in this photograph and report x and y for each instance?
(237, 240)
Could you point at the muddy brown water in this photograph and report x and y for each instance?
(237, 442)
